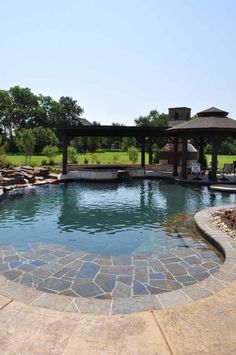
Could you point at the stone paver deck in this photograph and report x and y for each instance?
(53, 268)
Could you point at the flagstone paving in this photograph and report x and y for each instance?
(55, 269)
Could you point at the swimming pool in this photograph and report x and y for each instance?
(108, 219)
(107, 241)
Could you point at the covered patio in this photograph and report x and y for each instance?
(211, 126)
(144, 135)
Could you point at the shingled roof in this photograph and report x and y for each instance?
(84, 121)
(213, 111)
(207, 121)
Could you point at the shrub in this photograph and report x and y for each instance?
(116, 158)
(98, 161)
(50, 151)
(86, 161)
(93, 158)
(133, 154)
(3, 162)
(72, 155)
(43, 162)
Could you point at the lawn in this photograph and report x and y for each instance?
(222, 159)
(103, 158)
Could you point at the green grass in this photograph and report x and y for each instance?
(222, 159)
(103, 158)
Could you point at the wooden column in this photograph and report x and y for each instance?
(214, 153)
(64, 155)
(184, 158)
(150, 153)
(143, 153)
(201, 151)
(176, 160)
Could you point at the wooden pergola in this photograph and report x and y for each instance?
(144, 135)
(210, 126)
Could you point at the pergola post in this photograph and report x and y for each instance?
(214, 153)
(150, 151)
(175, 162)
(143, 153)
(202, 143)
(184, 158)
(64, 154)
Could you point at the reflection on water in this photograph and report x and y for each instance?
(126, 218)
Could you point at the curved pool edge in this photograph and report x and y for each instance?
(219, 280)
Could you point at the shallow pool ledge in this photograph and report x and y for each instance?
(220, 279)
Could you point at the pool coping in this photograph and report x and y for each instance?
(219, 280)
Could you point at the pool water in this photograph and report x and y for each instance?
(108, 219)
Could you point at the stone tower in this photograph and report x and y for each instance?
(179, 115)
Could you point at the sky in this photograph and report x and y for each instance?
(122, 58)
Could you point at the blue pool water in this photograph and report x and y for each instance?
(111, 219)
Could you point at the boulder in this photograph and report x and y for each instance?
(41, 172)
(7, 181)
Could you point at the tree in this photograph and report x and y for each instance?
(2, 148)
(44, 137)
(24, 108)
(68, 112)
(228, 146)
(5, 108)
(128, 142)
(25, 141)
(133, 154)
(2, 156)
(153, 119)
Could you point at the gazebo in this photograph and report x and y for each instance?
(210, 126)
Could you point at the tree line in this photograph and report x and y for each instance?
(25, 116)
(28, 124)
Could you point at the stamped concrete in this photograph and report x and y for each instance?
(29, 330)
(206, 326)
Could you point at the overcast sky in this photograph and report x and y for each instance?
(122, 58)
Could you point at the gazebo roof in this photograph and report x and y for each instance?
(213, 111)
(207, 122)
